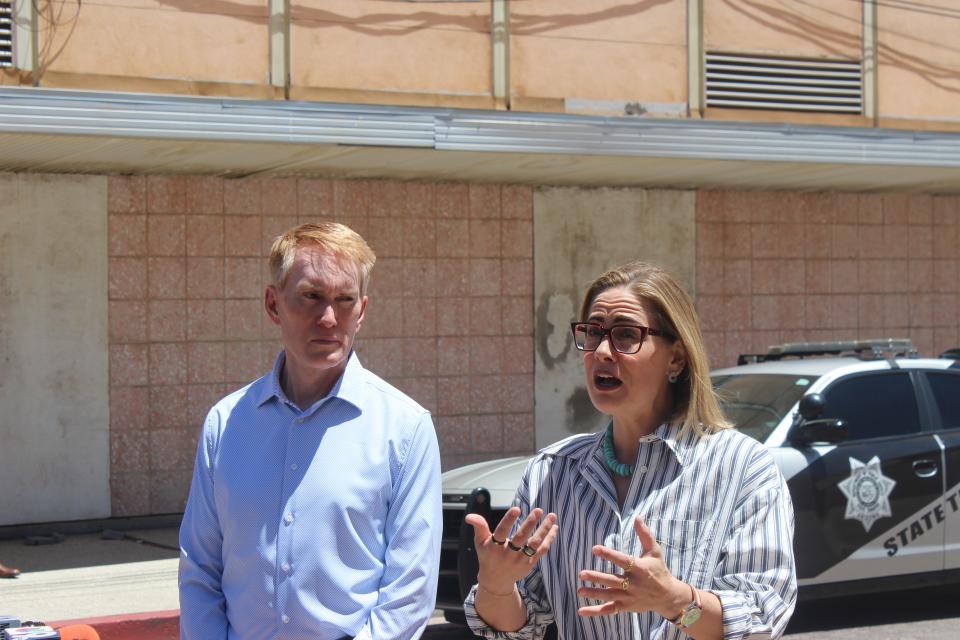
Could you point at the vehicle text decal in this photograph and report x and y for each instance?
(927, 520)
(867, 491)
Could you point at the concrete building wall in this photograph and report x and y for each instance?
(919, 62)
(449, 320)
(814, 28)
(571, 56)
(425, 48)
(222, 42)
(603, 50)
(54, 442)
(578, 235)
(777, 267)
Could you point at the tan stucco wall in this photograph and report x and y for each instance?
(225, 42)
(579, 234)
(54, 417)
(603, 50)
(919, 70)
(814, 28)
(391, 46)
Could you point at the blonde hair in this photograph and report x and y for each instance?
(333, 238)
(695, 404)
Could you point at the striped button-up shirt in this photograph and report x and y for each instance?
(717, 505)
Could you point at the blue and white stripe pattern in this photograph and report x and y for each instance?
(717, 505)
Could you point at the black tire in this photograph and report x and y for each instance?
(455, 617)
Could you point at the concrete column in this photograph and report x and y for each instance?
(695, 58)
(280, 45)
(870, 57)
(500, 35)
(54, 398)
(578, 235)
(25, 39)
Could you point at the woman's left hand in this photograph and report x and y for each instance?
(645, 583)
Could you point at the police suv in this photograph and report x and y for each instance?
(867, 435)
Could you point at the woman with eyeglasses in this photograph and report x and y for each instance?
(665, 525)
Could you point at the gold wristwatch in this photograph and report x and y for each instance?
(691, 613)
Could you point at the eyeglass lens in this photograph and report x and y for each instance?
(623, 339)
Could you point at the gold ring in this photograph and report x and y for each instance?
(624, 583)
(630, 565)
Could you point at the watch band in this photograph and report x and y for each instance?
(691, 613)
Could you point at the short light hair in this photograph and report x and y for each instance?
(695, 404)
(332, 237)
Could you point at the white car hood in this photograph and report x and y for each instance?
(500, 477)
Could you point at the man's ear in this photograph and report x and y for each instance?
(270, 296)
(363, 312)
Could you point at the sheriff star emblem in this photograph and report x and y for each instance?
(867, 491)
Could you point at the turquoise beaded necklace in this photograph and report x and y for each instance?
(619, 468)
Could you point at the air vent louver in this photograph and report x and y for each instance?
(6, 34)
(785, 84)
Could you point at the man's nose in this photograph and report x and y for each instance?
(327, 316)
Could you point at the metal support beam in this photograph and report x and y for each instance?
(280, 45)
(695, 58)
(25, 55)
(500, 36)
(870, 58)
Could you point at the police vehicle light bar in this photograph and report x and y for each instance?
(863, 349)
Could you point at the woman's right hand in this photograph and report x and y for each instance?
(504, 561)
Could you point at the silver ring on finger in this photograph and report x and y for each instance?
(528, 551)
(512, 546)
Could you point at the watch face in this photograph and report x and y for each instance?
(690, 616)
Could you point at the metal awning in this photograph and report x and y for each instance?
(93, 132)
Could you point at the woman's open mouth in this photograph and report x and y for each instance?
(605, 381)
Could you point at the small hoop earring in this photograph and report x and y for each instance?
(672, 377)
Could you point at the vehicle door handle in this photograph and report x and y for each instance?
(925, 468)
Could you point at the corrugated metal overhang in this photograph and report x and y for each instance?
(67, 131)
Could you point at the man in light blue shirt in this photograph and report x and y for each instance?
(315, 508)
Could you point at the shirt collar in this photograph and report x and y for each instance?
(349, 387)
(680, 444)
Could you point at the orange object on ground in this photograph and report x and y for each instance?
(78, 632)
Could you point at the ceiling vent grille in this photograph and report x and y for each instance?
(787, 84)
(6, 33)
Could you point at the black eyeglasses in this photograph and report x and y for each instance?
(624, 338)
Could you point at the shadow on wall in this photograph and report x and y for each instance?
(832, 39)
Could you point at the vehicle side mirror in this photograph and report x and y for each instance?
(828, 430)
(811, 406)
(467, 564)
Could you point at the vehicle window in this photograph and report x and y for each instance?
(874, 406)
(946, 390)
(756, 403)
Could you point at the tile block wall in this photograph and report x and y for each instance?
(777, 267)
(449, 320)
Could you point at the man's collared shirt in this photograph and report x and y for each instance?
(320, 523)
(717, 505)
